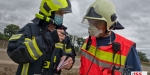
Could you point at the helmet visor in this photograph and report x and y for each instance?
(88, 21)
(92, 22)
(67, 9)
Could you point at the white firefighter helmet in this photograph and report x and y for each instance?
(103, 10)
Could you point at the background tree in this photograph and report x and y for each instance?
(11, 29)
(1, 36)
(143, 57)
(80, 41)
(77, 42)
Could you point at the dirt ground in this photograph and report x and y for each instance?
(6, 69)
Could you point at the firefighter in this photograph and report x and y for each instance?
(39, 46)
(105, 52)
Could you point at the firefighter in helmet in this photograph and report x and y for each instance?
(38, 47)
(105, 52)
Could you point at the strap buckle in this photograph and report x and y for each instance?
(46, 64)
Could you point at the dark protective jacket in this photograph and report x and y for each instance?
(37, 50)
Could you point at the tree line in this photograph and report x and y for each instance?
(76, 41)
(9, 30)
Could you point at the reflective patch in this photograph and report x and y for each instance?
(100, 63)
(25, 69)
(105, 56)
(68, 50)
(33, 48)
(15, 37)
(59, 45)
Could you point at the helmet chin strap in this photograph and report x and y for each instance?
(110, 39)
(110, 34)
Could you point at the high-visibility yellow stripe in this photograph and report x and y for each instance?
(15, 37)
(36, 47)
(59, 44)
(30, 51)
(25, 69)
(54, 58)
(59, 47)
(68, 50)
(100, 63)
(27, 39)
(33, 48)
(106, 56)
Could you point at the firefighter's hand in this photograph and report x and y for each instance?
(68, 63)
(61, 34)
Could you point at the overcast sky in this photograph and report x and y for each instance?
(134, 15)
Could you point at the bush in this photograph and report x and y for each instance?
(3, 37)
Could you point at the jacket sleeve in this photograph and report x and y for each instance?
(132, 58)
(23, 48)
(70, 51)
(69, 47)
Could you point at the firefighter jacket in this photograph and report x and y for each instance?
(36, 52)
